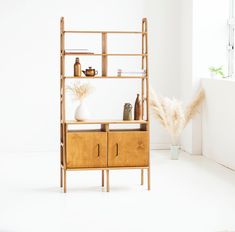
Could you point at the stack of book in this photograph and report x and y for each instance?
(79, 51)
(121, 72)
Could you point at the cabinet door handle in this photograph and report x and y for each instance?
(116, 149)
(98, 150)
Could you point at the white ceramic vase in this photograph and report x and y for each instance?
(175, 152)
(81, 112)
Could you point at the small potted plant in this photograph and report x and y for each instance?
(216, 71)
(172, 116)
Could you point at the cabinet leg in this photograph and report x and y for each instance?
(61, 177)
(65, 187)
(102, 178)
(107, 180)
(142, 176)
(148, 178)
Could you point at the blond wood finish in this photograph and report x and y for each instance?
(100, 54)
(142, 176)
(65, 181)
(71, 122)
(102, 178)
(107, 180)
(104, 55)
(102, 77)
(107, 168)
(86, 149)
(148, 178)
(111, 32)
(128, 149)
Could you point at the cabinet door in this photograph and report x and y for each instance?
(128, 149)
(86, 149)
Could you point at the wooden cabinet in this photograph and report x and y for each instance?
(128, 149)
(107, 149)
(86, 149)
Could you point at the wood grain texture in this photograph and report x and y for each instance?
(128, 149)
(111, 32)
(106, 122)
(104, 57)
(86, 149)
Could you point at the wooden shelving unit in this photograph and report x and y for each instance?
(104, 149)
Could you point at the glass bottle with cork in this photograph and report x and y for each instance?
(77, 68)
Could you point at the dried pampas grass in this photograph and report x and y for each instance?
(80, 91)
(193, 106)
(170, 112)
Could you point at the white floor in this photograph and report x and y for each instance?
(191, 194)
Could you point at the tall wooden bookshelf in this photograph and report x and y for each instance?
(105, 149)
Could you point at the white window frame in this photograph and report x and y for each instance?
(231, 28)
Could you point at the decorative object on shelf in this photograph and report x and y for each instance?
(140, 72)
(138, 108)
(216, 72)
(81, 92)
(90, 72)
(79, 51)
(81, 112)
(127, 112)
(172, 116)
(119, 72)
(77, 68)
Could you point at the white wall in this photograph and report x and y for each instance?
(30, 63)
(218, 121)
(164, 57)
(186, 64)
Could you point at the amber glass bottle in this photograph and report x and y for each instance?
(77, 68)
(138, 108)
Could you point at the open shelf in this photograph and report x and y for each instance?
(74, 122)
(102, 54)
(108, 32)
(103, 77)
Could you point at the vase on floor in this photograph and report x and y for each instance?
(82, 113)
(175, 152)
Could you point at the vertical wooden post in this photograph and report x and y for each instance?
(61, 177)
(63, 127)
(142, 176)
(107, 180)
(61, 97)
(65, 181)
(142, 67)
(148, 178)
(102, 178)
(104, 56)
(147, 67)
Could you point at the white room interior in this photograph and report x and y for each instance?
(194, 193)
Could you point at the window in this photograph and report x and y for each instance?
(231, 26)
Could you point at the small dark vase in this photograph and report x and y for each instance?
(127, 112)
(138, 108)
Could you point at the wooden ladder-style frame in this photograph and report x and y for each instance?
(144, 123)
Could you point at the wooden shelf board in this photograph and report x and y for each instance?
(105, 168)
(74, 122)
(106, 77)
(108, 32)
(100, 54)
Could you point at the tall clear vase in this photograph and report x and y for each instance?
(175, 152)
